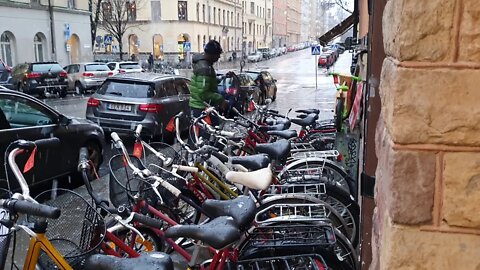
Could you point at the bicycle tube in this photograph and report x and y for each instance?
(339, 114)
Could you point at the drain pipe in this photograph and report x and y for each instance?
(52, 30)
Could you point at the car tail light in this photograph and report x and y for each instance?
(33, 75)
(63, 74)
(110, 74)
(88, 74)
(121, 70)
(231, 91)
(93, 102)
(151, 107)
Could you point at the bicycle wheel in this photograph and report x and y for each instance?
(327, 211)
(317, 169)
(339, 114)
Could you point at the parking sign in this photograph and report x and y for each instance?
(316, 50)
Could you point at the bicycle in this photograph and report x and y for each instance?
(345, 85)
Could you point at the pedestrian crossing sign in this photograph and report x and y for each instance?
(316, 50)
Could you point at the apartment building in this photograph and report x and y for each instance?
(257, 24)
(33, 30)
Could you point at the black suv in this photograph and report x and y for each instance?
(151, 99)
(40, 78)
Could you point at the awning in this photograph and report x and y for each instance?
(336, 31)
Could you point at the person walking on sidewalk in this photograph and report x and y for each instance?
(150, 62)
(203, 86)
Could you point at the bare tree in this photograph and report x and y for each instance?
(117, 16)
(94, 6)
(343, 4)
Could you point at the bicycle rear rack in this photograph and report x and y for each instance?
(313, 189)
(303, 261)
(316, 154)
(304, 174)
(292, 212)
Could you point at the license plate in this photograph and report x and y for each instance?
(119, 107)
(52, 80)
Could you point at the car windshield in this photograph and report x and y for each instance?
(96, 67)
(126, 89)
(52, 67)
(130, 66)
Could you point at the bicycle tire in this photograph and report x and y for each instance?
(336, 219)
(332, 173)
(339, 114)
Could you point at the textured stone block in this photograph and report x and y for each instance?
(418, 30)
(461, 195)
(470, 32)
(405, 183)
(435, 106)
(409, 248)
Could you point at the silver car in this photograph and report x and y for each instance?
(86, 76)
(124, 67)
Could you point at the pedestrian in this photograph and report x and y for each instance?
(132, 57)
(150, 62)
(234, 56)
(203, 86)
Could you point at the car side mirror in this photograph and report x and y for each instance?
(274, 80)
(63, 120)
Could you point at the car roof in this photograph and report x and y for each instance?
(143, 77)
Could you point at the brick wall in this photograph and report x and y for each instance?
(427, 196)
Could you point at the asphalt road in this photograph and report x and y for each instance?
(297, 89)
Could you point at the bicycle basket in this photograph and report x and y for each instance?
(5, 233)
(300, 262)
(77, 233)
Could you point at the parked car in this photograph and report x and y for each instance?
(267, 84)
(40, 78)
(273, 53)
(126, 100)
(5, 75)
(237, 89)
(86, 76)
(325, 60)
(255, 57)
(265, 52)
(124, 67)
(25, 117)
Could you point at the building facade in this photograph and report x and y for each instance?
(172, 30)
(294, 23)
(31, 30)
(257, 24)
(279, 23)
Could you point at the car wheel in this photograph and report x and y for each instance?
(79, 89)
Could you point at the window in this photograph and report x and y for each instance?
(131, 11)
(269, 14)
(71, 4)
(214, 15)
(38, 47)
(219, 16)
(6, 48)
(130, 89)
(182, 11)
(169, 88)
(182, 86)
(228, 18)
(23, 113)
(223, 16)
(198, 12)
(107, 10)
(156, 11)
(203, 12)
(252, 7)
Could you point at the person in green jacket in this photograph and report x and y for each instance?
(203, 86)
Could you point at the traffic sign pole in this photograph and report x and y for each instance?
(316, 72)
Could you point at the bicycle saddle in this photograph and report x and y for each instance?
(274, 127)
(278, 150)
(308, 111)
(259, 179)
(254, 162)
(273, 121)
(307, 121)
(151, 260)
(242, 209)
(285, 134)
(218, 233)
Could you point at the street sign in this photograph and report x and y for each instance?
(187, 46)
(316, 50)
(107, 40)
(68, 47)
(67, 31)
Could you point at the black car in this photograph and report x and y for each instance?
(237, 89)
(25, 117)
(267, 84)
(5, 75)
(126, 100)
(40, 78)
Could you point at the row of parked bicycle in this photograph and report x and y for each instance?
(250, 191)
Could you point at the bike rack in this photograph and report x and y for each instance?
(292, 212)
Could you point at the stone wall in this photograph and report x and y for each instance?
(427, 195)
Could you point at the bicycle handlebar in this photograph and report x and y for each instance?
(30, 208)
